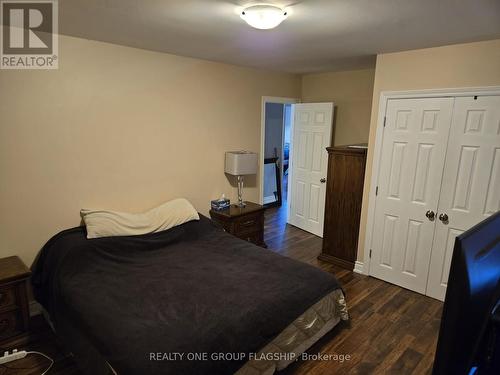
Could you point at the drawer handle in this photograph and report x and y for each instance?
(4, 324)
(248, 223)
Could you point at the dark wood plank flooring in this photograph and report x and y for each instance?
(391, 331)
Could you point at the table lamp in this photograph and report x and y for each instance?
(240, 163)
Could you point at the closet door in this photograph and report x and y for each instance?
(471, 181)
(409, 181)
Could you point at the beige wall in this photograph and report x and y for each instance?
(120, 128)
(352, 93)
(461, 65)
(127, 129)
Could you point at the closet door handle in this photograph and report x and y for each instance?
(430, 215)
(443, 218)
(323, 180)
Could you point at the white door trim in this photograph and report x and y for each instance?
(267, 99)
(384, 98)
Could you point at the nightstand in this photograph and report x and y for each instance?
(246, 222)
(14, 307)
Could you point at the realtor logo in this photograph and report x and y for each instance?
(29, 34)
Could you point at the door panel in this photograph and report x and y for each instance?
(471, 181)
(411, 168)
(308, 165)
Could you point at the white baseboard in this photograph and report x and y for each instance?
(35, 308)
(358, 267)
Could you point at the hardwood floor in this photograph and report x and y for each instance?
(391, 331)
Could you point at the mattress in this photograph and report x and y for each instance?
(190, 289)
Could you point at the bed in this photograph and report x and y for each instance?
(189, 300)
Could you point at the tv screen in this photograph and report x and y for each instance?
(472, 293)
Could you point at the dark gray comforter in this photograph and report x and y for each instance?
(190, 289)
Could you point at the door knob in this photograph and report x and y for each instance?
(323, 180)
(430, 215)
(443, 218)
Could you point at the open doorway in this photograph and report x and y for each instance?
(275, 150)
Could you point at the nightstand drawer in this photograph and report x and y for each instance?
(254, 237)
(11, 323)
(248, 224)
(14, 307)
(7, 297)
(245, 222)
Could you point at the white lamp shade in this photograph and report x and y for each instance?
(239, 163)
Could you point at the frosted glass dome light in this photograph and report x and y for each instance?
(263, 17)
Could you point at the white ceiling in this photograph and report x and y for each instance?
(319, 35)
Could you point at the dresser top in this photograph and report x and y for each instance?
(360, 148)
(13, 268)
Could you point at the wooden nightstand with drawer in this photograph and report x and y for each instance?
(246, 222)
(14, 307)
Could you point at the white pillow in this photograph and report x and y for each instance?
(102, 223)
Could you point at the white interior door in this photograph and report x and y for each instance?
(411, 168)
(471, 182)
(312, 132)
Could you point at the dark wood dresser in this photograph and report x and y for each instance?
(14, 307)
(246, 223)
(344, 193)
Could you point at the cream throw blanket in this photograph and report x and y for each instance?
(102, 223)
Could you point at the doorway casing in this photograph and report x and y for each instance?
(265, 100)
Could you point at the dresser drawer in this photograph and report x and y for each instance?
(11, 323)
(7, 297)
(248, 224)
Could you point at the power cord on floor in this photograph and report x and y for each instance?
(46, 356)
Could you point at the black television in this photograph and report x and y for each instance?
(468, 340)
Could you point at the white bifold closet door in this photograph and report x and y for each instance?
(411, 169)
(471, 181)
(439, 175)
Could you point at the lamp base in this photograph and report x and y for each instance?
(241, 204)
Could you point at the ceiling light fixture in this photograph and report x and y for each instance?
(263, 17)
